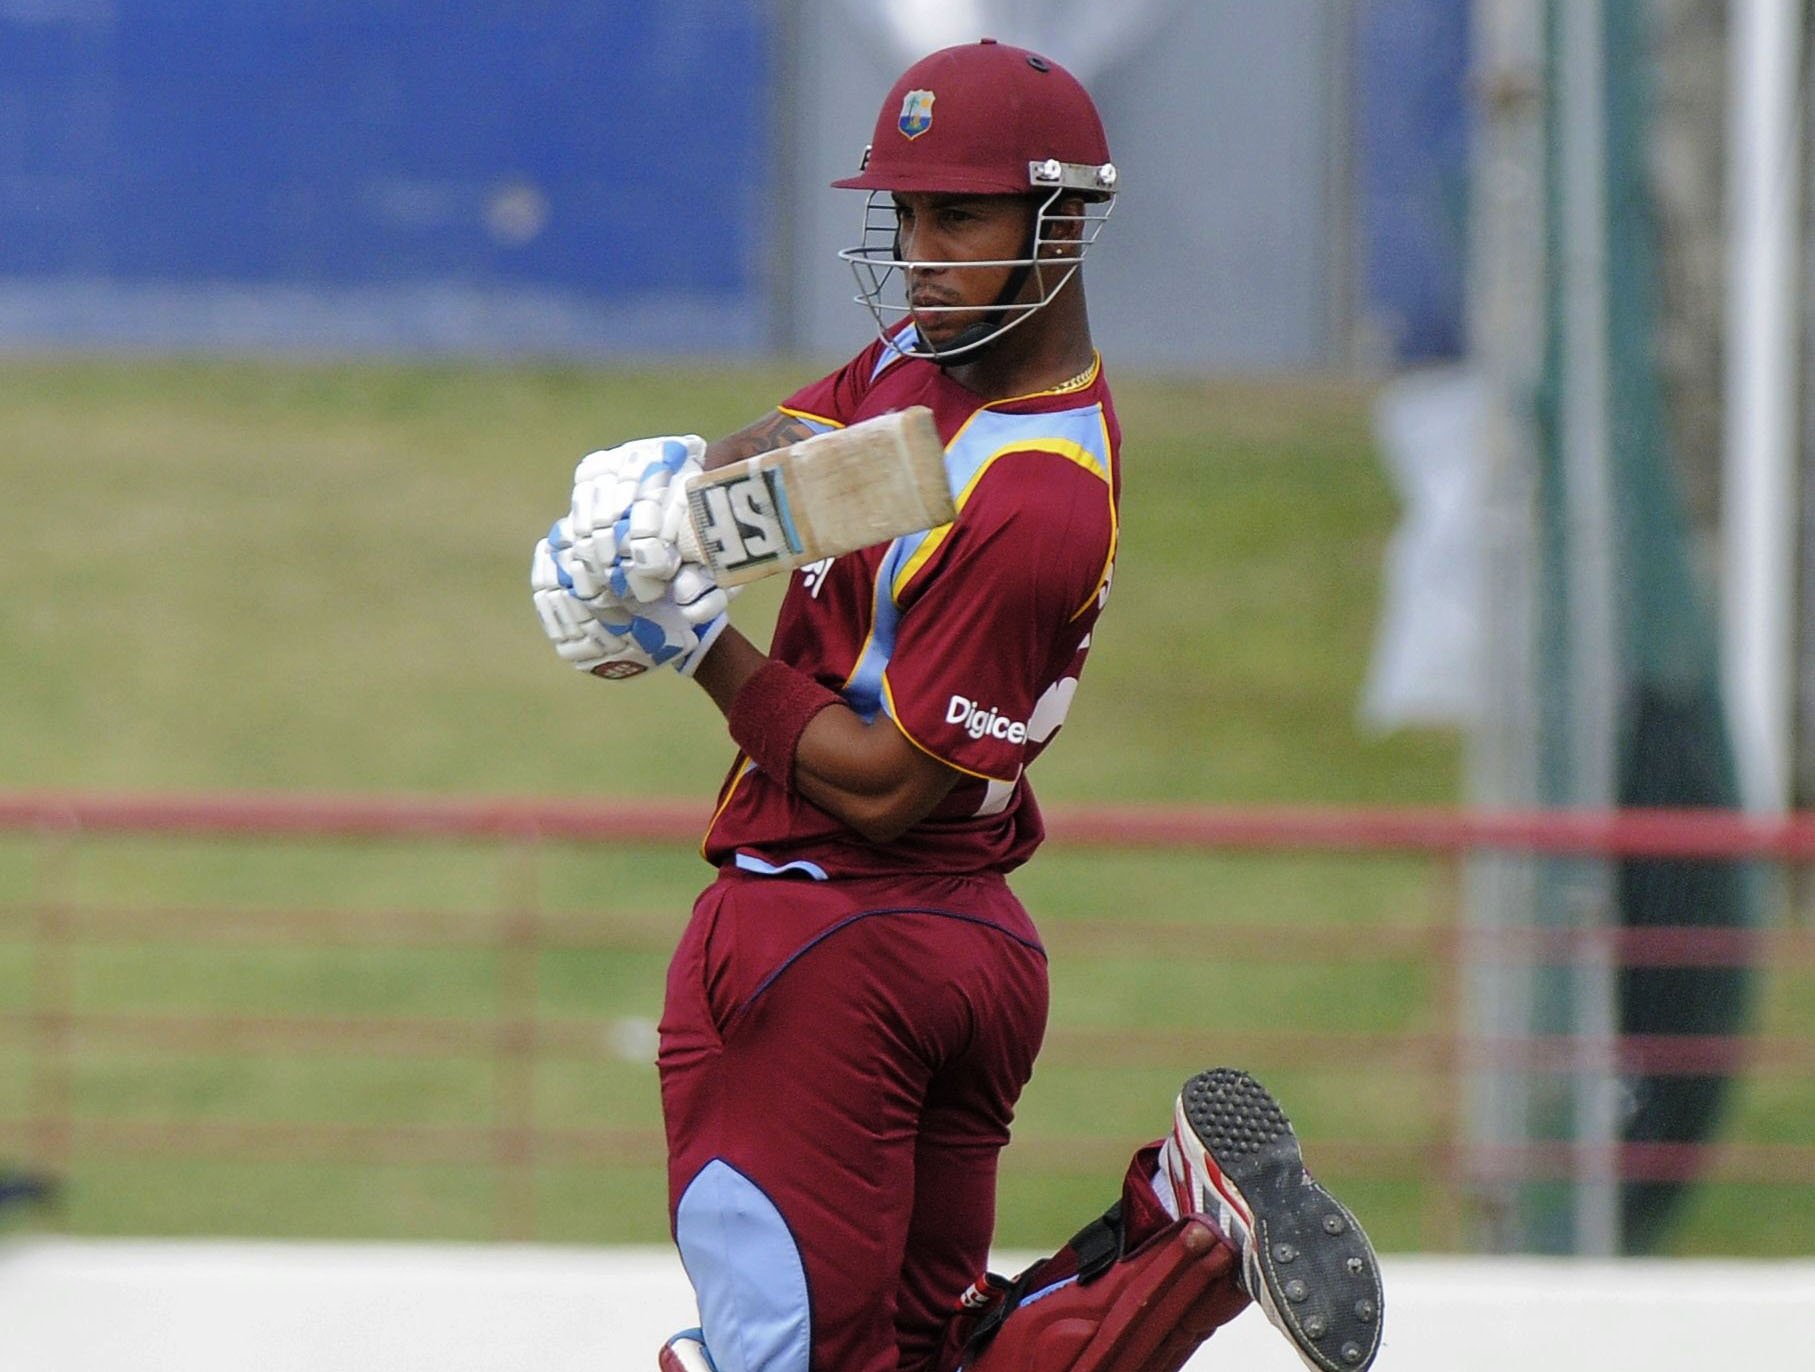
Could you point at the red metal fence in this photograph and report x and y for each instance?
(50, 1028)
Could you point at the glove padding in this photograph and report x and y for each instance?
(607, 636)
(593, 636)
(663, 631)
(629, 506)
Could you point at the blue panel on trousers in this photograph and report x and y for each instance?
(746, 1272)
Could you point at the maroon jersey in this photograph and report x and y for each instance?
(970, 637)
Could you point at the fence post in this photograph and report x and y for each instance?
(517, 1041)
(50, 1106)
(1444, 1225)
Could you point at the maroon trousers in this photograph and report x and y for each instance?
(839, 1062)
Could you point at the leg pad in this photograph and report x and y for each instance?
(1146, 1313)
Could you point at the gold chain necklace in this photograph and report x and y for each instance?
(1078, 382)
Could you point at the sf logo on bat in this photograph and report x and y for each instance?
(744, 522)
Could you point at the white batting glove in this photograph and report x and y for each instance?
(662, 631)
(697, 596)
(577, 580)
(650, 552)
(632, 553)
(594, 639)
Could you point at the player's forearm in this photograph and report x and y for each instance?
(866, 774)
(774, 430)
(725, 670)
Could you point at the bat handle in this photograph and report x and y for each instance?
(689, 541)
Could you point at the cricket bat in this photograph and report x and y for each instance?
(833, 493)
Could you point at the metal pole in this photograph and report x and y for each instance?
(786, 161)
(1507, 266)
(1758, 521)
(1802, 787)
(1593, 625)
(1341, 343)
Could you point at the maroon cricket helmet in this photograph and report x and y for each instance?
(971, 119)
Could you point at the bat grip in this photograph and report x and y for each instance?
(689, 540)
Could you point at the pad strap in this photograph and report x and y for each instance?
(1147, 1311)
(1092, 1251)
(771, 711)
(1099, 1243)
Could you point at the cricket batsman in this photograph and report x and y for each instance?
(858, 998)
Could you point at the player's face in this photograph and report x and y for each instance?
(955, 229)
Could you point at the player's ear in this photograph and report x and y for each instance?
(1064, 225)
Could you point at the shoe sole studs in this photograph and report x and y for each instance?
(1330, 1305)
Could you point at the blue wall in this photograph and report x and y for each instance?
(582, 176)
(389, 156)
(1412, 137)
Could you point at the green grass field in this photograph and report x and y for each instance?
(313, 577)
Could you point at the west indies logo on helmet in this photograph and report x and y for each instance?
(916, 113)
(1011, 123)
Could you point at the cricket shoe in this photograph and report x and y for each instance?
(1233, 1156)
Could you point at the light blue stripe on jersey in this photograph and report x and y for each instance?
(892, 351)
(863, 692)
(990, 433)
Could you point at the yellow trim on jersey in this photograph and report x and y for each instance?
(809, 417)
(861, 653)
(895, 719)
(730, 790)
(1058, 447)
(1115, 528)
(935, 538)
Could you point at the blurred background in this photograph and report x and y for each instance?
(1445, 757)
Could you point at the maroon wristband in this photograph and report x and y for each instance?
(771, 711)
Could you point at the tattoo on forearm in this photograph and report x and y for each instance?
(772, 431)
